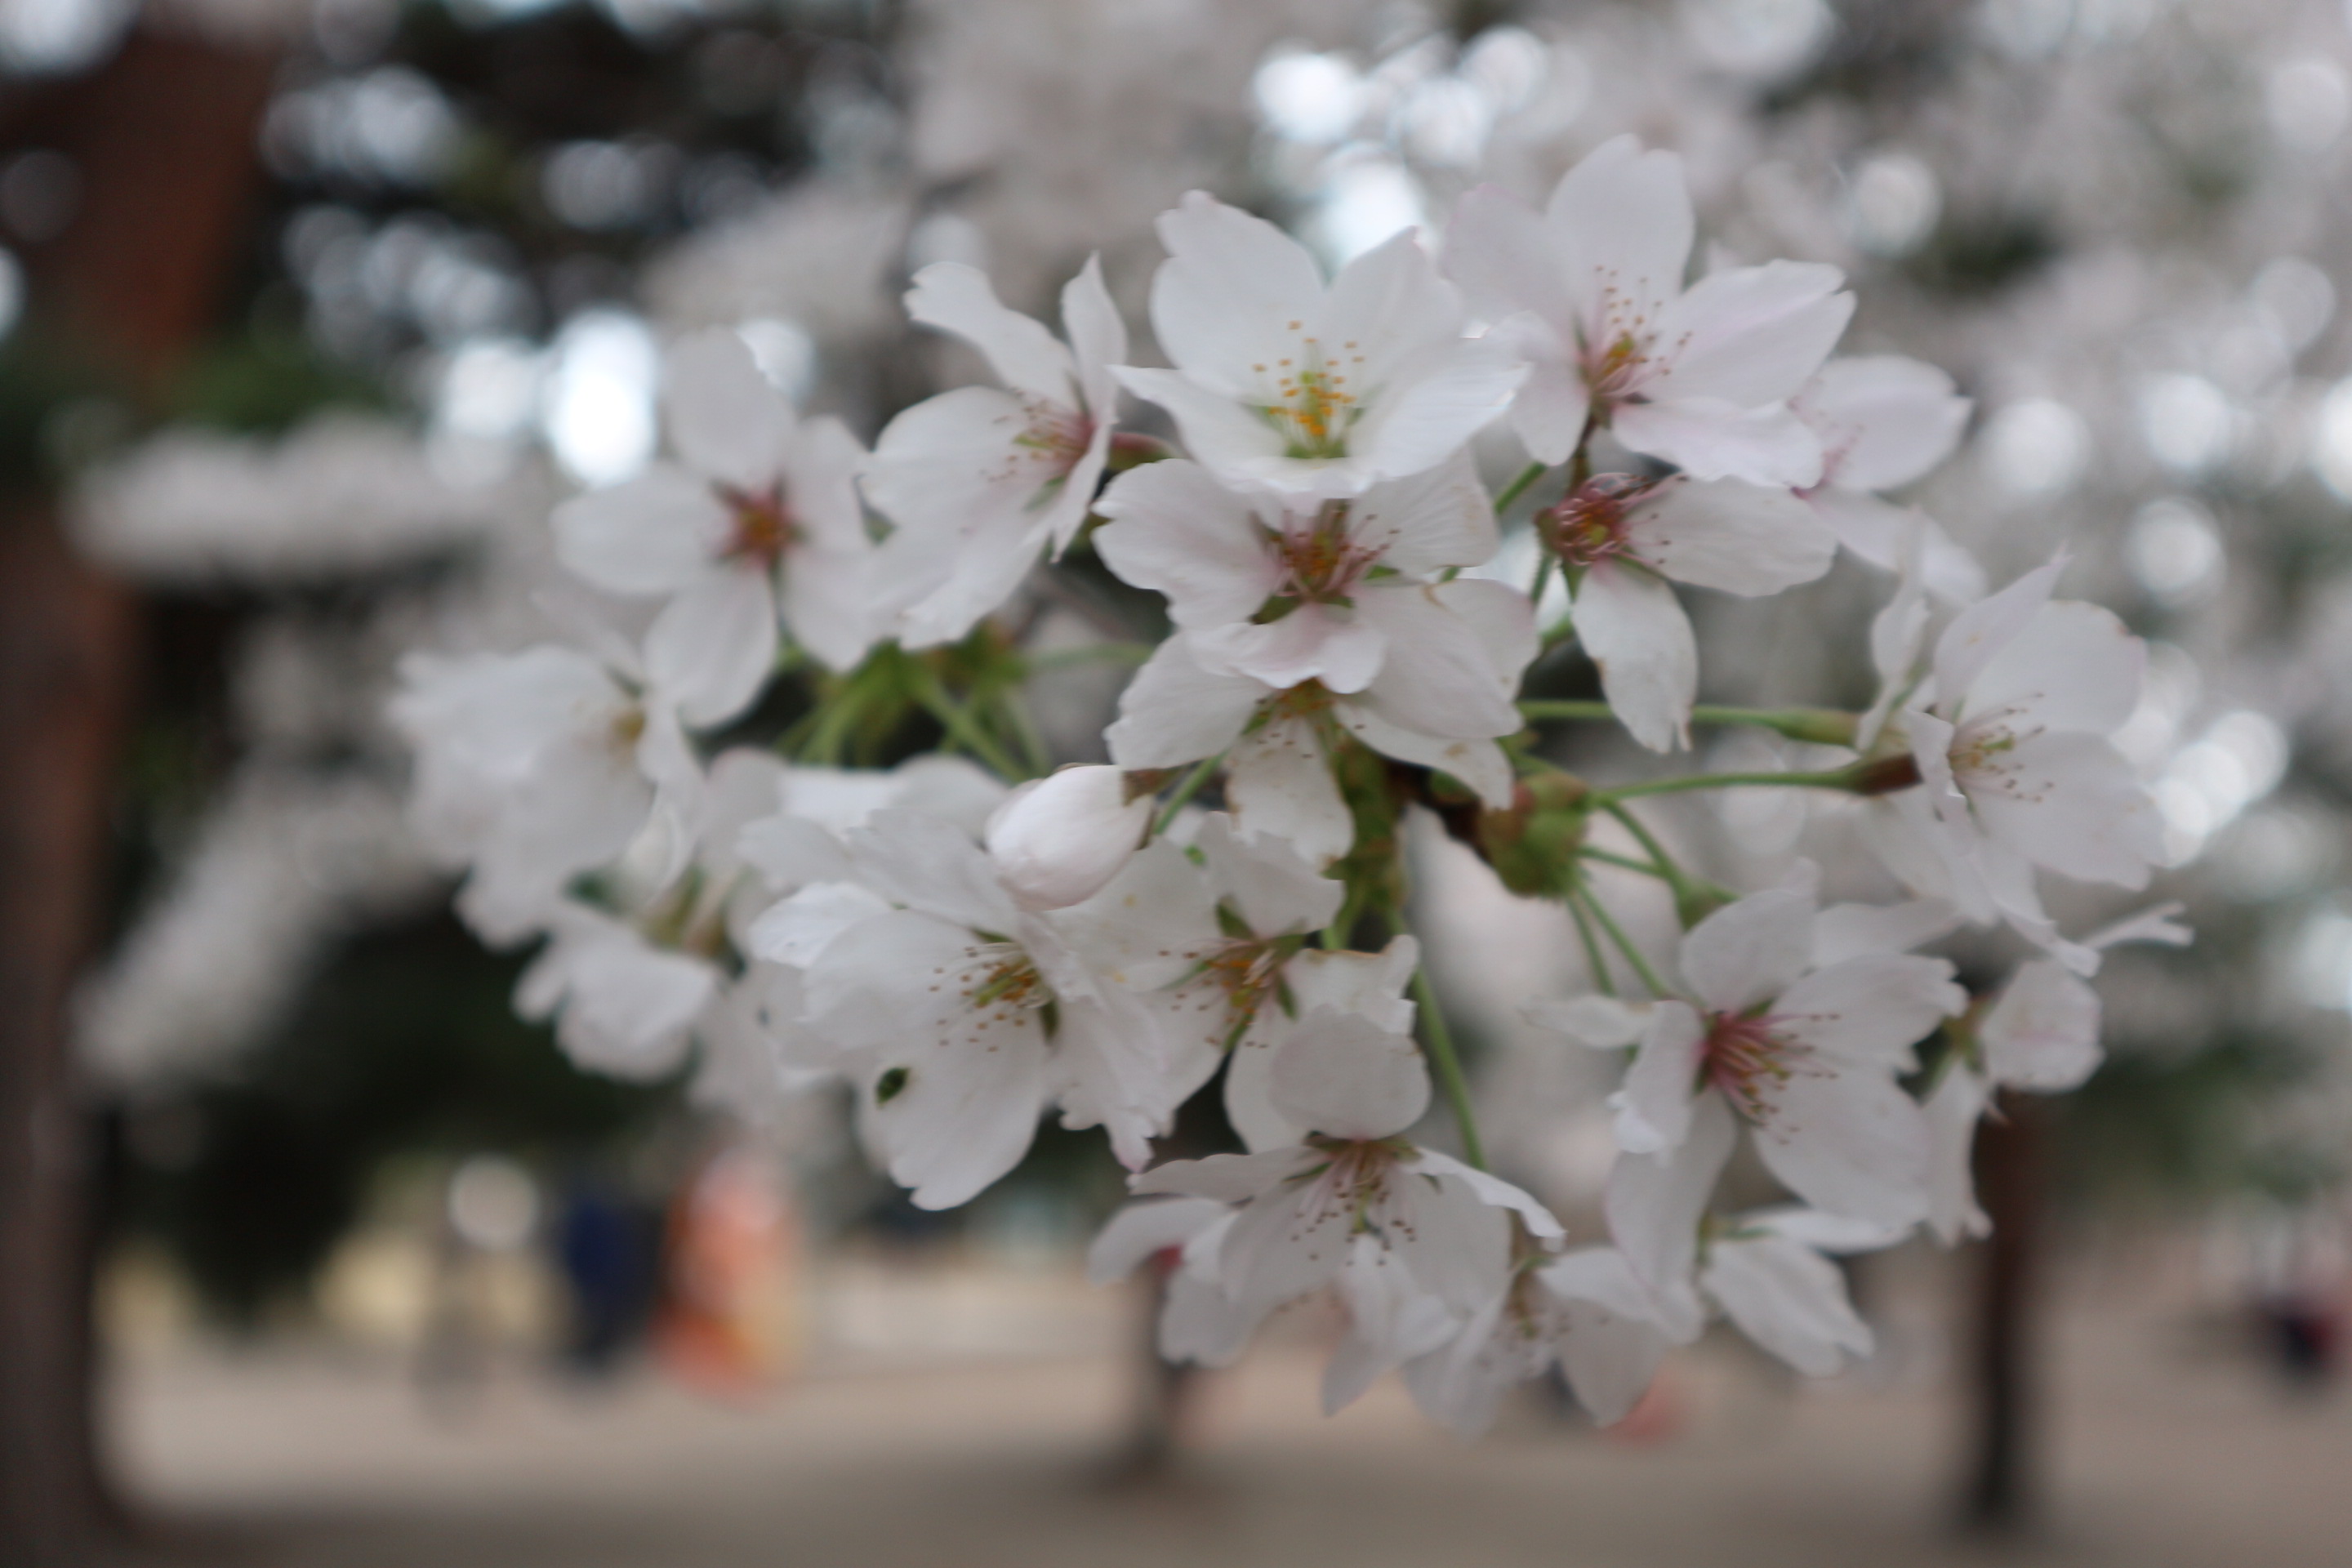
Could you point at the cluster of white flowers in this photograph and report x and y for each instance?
(971, 940)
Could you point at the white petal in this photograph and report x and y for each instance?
(1480, 764)
(1951, 1114)
(1314, 642)
(1873, 530)
(1884, 419)
(1098, 339)
(1175, 712)
(1872, 1007)
(929, 865)
(1790, 1300)
(958, 298)
(1634, 627)
(1059, 840)
(1984, 628)
(1441, 680)
(713, 647)
(1753, 335)
(1344, 1076)
(1710, 438)
(1730, 535)
(1424, 419)
(1750, 951)
(1845, 1138)
(1230, 290)
(1430, 520)
(2042, 1032)
(658, 533)
(1624, 218)
(797, 930)
(1226, 1178)
(1139, 1230)
(2072, 667)
(1846, 930)
(1502, 255)
(1273, 888)
(1217, 430)
(726, 420)
(2069, 802)
(1279, 783)
(1175, 529)
(1653, 1108)
(1607, 1346)
(1653, 1204)
(1550, 411)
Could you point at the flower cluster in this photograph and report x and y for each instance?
(971, 940)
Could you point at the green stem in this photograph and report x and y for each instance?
(1519, 486)
(1623, 943)
(1185, 791)
(1024, 730)
(1543, 579)
(1626, 862)
(961, 726)
(1841, 779)
(1598, 960)
(1437, 1045)
(1822, 726)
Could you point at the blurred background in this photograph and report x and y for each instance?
(311, 1252)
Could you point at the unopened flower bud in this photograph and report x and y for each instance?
(1058, 840)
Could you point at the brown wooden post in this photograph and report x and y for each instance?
(2002, 1491)
(162, 139)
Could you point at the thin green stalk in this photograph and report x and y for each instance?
(1543, 579)
(1024, 730)
(961, 727)
(1822, 726)
(1437, 1045)
(1185, 791)
(1840, 778)
(1623, 943)
(1594, 957)
(1626, 862)
(1519, 486)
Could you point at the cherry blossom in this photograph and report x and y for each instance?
(1285, 589)
(1884, 421)
(1054, 841)
(1317, 389)
(759, 510)
(1624, 539)
(981, 481)
(1591, 292)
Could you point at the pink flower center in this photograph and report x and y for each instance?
(765, 529)
(1589, 526)
(1058, 436)
(1321, 563)
(1744, 1058)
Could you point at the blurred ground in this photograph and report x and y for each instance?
(979, 1440)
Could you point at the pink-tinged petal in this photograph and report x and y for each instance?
(1285, 1244)
(1979, 632)
(1311, 643)
(1845, 1138)
(1175, 529)
(1653, 1206)
(1874, 531)
(950, 461)
(988, 566)
(1344, 1076)
(2042, 1032)
(1751, 335)
(713, 647)
(1499, 250)
(2072, 667)
(958, 298)
(1729, 535)
(1249, 1090)
(1872, 1007)
(1952, 1113)
(1550, 411)
(1421, 524)
(1849, 930)
(1390, 1322)
(1607, 1346)
(727, 421)
(1369, 984)
(1175, 712)
(1435, 406)
(1233, 286)
(1142, 1230)
(1622, 217)
(1443, 682)
(2069, 802)
(657, 533)
(1098, 339)
(1883, 420)
(1501, 617)
(1790, 1300)
(1059, 840)
(1492, 1191)
(1710, 438)
(1279, 784)
(1750, 952)
(1109, 1070)
(1634, 627)
(1216, 429)
(1653, 1108)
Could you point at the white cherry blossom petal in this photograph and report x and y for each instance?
(1634, 627)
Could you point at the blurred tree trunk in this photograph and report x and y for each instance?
(2002, 1495)
(162, 139)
